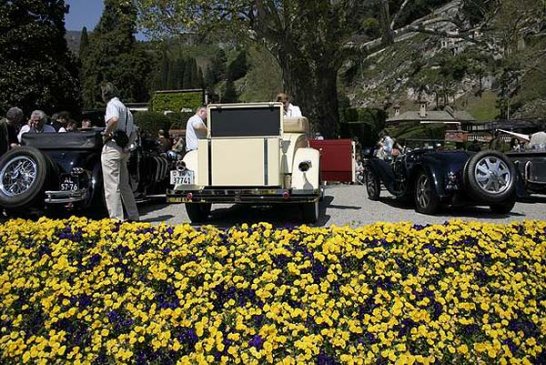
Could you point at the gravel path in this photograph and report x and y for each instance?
(343, 204)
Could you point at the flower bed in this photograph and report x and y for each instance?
(79, 290)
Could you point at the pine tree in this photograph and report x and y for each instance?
(230, 94)
(84, 42)
(238, 67)
(114, 55)
(37, 70)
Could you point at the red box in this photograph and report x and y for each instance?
(336, 159)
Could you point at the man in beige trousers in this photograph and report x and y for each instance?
(114, 158)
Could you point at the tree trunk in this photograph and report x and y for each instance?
(314, 90)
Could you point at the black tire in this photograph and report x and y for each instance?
(490, 177)
(373, 185)
(198, 212)
(24, 173)
(426, 197)
(310, 212)
(504, 207)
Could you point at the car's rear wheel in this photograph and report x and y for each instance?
(426, 198)
(373, 185)
(198, 212)
(490, 177)
(310, 212)
(23, 174)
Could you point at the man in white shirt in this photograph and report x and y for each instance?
(196, 128)
(117, 191)
(290, 110)
(36, 124)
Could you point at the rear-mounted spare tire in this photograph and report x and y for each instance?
(490, 177)
(23, 173)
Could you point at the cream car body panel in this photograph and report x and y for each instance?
(251, 155)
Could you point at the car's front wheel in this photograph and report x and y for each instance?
(198, 212)
(23, 174)
(373, 185)
(426, 198)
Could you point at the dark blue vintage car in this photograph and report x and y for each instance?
(431, 178)
(62, 171)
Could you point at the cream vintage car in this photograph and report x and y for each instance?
(252, 155)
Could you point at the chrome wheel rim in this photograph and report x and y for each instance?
(17, 176)
(423, 192)
(492, 175)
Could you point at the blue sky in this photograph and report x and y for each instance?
(83, 13)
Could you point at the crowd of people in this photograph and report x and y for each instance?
(12, 127)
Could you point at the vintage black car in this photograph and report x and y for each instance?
(532, 167)
(62, 171)
(530, 160)
(431, 178)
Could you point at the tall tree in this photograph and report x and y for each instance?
(37, 70)
(84, 42)
(114, 55)
(308, 39)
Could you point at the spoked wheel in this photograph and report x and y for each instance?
(198, 212)
(373, 185)
(23, 174)
(426, 198)
(491, 177)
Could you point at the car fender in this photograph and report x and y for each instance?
(309, 180)
(192, 163)
(435, 169)
(383, 170)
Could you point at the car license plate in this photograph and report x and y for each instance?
(184, 177)
(68, 183)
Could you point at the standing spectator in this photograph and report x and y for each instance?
(36, 124)
(179, 145)
(196, 128)
(9, 127)
(164, 141)
(290, 110)
(475, 146)
(498, 143)
(114, 158)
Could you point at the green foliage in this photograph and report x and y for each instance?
(238, 67)
(152, 122)
(364, 124)
(84, 42)
(114, 55)
(230, 94)
(371, 27)
(175, 101)
(263, 80)
(36, 69)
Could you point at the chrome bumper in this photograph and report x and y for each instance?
(61, 196)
